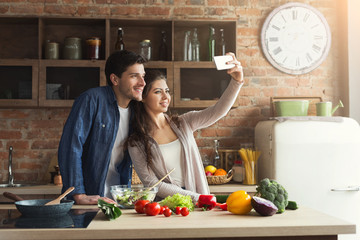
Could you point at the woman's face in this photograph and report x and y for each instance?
(158, 98)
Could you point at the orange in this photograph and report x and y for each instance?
(239, 202)
(220, 172)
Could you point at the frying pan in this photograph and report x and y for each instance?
(37, 209)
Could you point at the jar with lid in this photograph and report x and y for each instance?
(238, 171)
(72, 48)
(93, 48)
(51, 50)
(145, 49)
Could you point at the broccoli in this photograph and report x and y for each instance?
(274, 192)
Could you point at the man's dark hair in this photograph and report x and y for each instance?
(119, 61)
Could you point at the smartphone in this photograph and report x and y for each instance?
(220, 62)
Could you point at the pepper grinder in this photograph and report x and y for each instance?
(57, 177)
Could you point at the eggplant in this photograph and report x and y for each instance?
(263, 206)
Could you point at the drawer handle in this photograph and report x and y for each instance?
(348, 189)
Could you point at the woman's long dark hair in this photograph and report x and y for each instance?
(142, 123)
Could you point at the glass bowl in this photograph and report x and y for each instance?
(126, 197)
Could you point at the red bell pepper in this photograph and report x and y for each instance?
(223, 206)
(207, 202)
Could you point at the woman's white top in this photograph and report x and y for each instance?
(172, 156)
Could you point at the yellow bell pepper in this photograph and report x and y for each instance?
(239, 202)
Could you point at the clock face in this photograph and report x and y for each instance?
(295, 38)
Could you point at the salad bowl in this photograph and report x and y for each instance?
(127, 196)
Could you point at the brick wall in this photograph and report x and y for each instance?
(35, 133)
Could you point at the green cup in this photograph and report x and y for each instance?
(323, 109)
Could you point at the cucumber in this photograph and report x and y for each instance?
(221, 198)
(292, 205)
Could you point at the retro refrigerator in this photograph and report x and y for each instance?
(317, 160)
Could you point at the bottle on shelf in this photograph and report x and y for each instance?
(216, 156)
(222, 43)
(187, 47)
(195, 46)
(211, 43)
(163, 47)
(119, 44)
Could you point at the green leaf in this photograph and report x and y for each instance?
(109, 209)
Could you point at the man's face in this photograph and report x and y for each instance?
(131, 83)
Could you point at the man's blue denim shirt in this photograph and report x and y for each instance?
(87, 141)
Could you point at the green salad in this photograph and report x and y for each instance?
(128, 197)
(178, 200)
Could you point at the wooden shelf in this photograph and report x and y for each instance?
(26, 54)
(19, 82)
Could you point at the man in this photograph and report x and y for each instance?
(91, 157)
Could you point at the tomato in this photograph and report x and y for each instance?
(152, 209)
(161, 210)
(167, 212)
(177, 210)
(184, 211)
(140, 204)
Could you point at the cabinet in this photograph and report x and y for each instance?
(30, 80)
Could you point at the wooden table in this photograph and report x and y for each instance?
(302, 224)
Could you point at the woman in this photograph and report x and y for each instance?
(161, 142)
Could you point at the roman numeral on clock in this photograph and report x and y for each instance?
(306, 17)
(275, 27)
(277, 50)
(308, 57)
(273, 39)
(294, 15)
(316, 48)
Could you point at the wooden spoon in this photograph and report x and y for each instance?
(160, 180)
(58, 199)
(12, 196)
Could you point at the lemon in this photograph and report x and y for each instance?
(210, 168)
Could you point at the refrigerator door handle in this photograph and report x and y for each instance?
(348, 189)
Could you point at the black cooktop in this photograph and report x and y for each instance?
(75, 218)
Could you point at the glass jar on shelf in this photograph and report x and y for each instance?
(145, 49)
(238, 171)
(93, 48)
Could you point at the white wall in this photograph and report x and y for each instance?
(354, 58)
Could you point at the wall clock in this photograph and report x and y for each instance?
(295, 38)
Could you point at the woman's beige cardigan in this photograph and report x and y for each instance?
(194, 175)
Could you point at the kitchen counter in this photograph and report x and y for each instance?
(47, 189)
(303, 223)
(231, 187)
